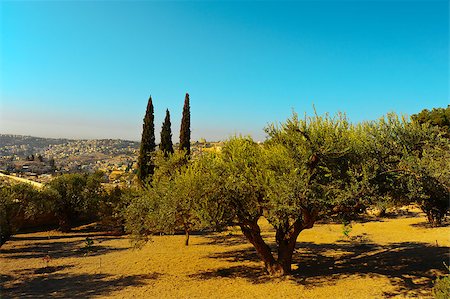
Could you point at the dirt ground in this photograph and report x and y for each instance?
(398, 256)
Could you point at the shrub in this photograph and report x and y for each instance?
(441, 289)
(74, 196)
(112, 207)
(17, 203)
(8, 211)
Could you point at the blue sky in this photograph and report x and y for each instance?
(83, 69)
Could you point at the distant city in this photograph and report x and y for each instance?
(39, 159)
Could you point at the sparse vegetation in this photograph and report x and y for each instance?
(399, 258)
(441, 288)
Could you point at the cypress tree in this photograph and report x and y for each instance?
(145, 161)
(185, 130)
(166, 136)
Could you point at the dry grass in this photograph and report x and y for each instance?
(394, 257)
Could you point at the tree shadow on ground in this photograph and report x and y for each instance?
(99, 236)
(398, 214)
(57, 249)
(226, 240)
(3, 279)
(411, 267)
(365, 218)
(63, 285)
(45, 269)
(254, 274)
(425, 224)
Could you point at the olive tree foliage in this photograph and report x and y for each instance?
(439, 117)
(18, 202)
(73, 196)
(165, 205)
(110, 208)
(323, 166)
(308, 169)
(429, 183)
(408, 162)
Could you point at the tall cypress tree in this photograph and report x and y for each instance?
(185, 130)
(166, 136)
(145, 161)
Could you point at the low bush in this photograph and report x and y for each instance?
(441, 289)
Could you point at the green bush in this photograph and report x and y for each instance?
(8, 211)
(74, 196)
(441, 289)
(112, 208)
(17, 203)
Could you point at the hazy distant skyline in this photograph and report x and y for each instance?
(86, 69)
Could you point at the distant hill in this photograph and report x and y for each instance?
(26, 145)
(38, 142)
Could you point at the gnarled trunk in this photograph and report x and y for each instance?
(279, 267)
(252, 232)
(286, 238)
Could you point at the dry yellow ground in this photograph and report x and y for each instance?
(395, 257)
(22, 180)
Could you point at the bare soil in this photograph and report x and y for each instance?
(394, 257)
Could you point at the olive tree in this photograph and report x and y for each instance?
(306, 170)
(18, 202)
(166, 205)
(320, 167)
(408, 163)
(74, 195)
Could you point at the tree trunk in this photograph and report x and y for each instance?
(253, 233)
(285, 252)
(64, 222)
(275, 270)
(64, 226)
(286, 238)
(186, 242)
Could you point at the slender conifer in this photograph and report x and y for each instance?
(145, 159)
(166, 136)
(185, 130)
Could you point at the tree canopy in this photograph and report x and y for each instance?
(308, 169)
(73, 195)
(439, 117)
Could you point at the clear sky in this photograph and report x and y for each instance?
(82, 69)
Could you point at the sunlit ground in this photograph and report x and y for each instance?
(398, 256)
